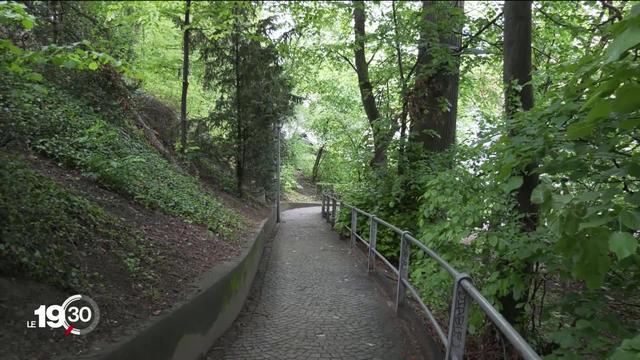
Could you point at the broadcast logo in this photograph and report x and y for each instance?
(78, 315)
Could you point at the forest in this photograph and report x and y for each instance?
(503, 135)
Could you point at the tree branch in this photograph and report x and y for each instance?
(479, 32)
(616, 12)
(373, 55)
(93, 20)
(413, 68)
(347, 60)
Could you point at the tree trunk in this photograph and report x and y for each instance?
(366, 89)
(316, 165)
(403, 83)
(55, 20)
(433, 102)
(517, 71)
(185, 77)
(240, 148)
(517, 56)
(517, 74)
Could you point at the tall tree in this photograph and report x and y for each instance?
(403, 89)
(185, 76)
(434, 97)
(243, 64)
(240, 146)
(380, 141)
(519, 91)
(519, 97)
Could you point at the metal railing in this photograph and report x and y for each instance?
(463, 288)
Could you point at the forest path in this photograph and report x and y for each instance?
(314, 301)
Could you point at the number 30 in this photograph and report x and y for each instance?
(83, 314)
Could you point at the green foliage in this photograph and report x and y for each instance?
(589, 157)
(158, 52)
(65, 128)
(288, 178)
(336, 120)
(13, 13)
(64, 96)
(243, 64)
(299, 153)
(42, 227)
(577, 275)
(583, 138)
(22, 63)
(588, 151)
(629, 349)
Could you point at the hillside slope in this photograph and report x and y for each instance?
(89, 206)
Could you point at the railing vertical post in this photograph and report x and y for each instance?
(403, 269)
(322, 201)
(458, 320)
(354, 226)
(334, 206)
(373, 234)
(326, 206)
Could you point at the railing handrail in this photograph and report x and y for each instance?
(464, 289)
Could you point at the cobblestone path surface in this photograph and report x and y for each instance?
(313, 300)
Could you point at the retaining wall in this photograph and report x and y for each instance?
(193, 326)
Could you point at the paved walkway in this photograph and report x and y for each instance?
(314, 301)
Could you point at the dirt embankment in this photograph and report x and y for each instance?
(177, 253)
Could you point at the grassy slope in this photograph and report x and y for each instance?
(41, 221)
(41, 225)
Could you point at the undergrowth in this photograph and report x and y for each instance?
(67, 129)
(46, 231)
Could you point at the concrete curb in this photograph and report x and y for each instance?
(193, 326)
